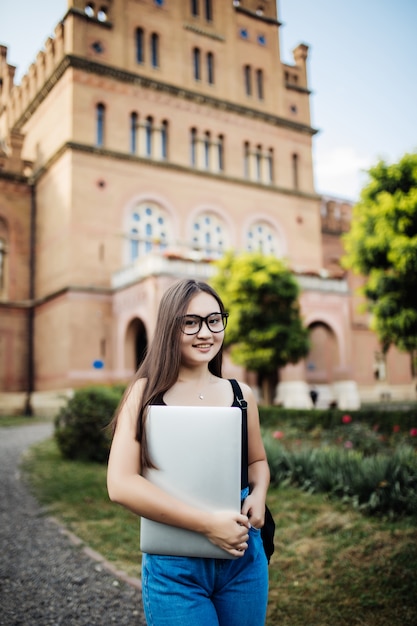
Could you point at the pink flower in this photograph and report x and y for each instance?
(278, 434)
(348, 445)
(396, 428)
(346, 419)
(413, 432)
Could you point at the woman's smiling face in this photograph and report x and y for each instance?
(205, 344)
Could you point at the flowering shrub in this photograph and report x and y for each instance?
(359, 437)
(377, 484)
(370, 465)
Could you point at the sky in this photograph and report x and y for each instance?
(362, 71)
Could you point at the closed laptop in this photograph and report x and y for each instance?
(197, 452)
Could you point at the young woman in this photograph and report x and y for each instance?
(183, 367)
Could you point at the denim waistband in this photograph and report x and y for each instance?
(244, 494)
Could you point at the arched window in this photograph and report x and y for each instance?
(89, 9)
(270, 165)
(208, 8)
(102, 14)
(194, 8)
(246, 160)
(155, 50)
(210, 235)
(134, 244)
(148, 230)
(2, 264)
(220, 153)
(193, 147)
(197, 63)
(140, 50)
(148, 136)
(258, 161)
(295, 180)
(207, 146)
(260, 84)
(100, 120)
(248, 80)
(133, 132)
(210, 68)
(262, 237)
(164, 140)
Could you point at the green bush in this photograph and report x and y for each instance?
(382, 419)
(81, 426)
(377, 484)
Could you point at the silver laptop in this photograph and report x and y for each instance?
(197, 451)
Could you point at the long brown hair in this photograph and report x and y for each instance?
(160, 367)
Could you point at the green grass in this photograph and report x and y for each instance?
(334, 566)
(331, 566)
(7, 421)
(75, 493)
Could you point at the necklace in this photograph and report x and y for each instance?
(204, 387)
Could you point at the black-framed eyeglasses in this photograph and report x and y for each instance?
(215, 322)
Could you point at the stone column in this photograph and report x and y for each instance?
(292, 390)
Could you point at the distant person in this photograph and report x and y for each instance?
(183, 367)
(314, 395)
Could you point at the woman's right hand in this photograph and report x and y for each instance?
(229, 531)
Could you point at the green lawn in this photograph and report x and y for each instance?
(331, 567)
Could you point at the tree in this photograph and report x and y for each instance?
(382, 246)
(265, 329)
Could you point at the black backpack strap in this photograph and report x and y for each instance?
(244, 406)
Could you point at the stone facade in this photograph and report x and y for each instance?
(147, 138)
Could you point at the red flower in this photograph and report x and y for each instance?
(396, 428)
(278, 434)
(346, 419)
(413, 432)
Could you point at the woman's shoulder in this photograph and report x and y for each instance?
(136, 389)
(139, 383)
(246, 389)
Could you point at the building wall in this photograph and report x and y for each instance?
(89, 296)
(15, 240)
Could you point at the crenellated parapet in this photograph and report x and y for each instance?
(16, 98)
(336, 215)
(296, 75)
(7, 73)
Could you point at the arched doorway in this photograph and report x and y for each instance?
(321, 363)
(136, 343)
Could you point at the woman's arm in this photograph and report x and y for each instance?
(258, 470)
(127, 487)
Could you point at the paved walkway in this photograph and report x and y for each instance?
(45, 579)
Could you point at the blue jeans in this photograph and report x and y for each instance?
(206, 592)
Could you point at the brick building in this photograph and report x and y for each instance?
(148, 137)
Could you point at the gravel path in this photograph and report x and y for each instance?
(45, 579)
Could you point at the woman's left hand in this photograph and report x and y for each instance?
(254, 507)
